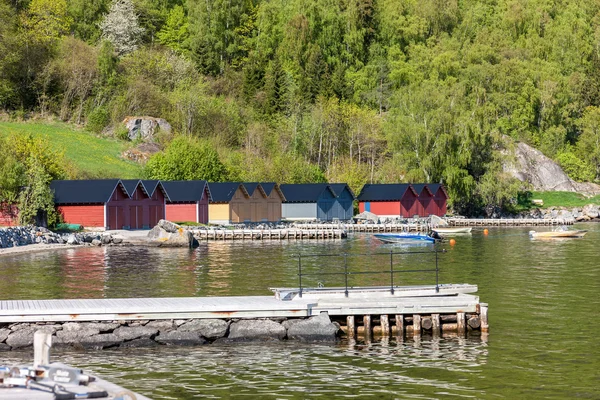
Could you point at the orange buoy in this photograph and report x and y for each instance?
(485, 231)
(452, 242)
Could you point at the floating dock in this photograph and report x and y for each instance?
(410, 227)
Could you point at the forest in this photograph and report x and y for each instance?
(293, 91)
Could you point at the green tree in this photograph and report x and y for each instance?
(175, 32)
(186, 159)
(121, 27)
(588, 145)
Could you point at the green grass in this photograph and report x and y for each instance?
(93, 156)
(556, 199)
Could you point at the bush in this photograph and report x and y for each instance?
(98, 119)
(575, 167)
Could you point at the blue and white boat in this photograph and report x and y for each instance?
(404, 237)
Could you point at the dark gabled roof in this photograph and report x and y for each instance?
(184, 190)
(252, 186)
(434, 187)
(419, 187)
(338, 188)
(150, 185)
(223, 192)
(384, 191)
(304, 192)
(130, 185)
(85, 191)
(268, 187)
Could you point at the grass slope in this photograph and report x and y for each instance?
(93, 156)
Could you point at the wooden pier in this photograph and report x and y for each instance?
(508, 222)
(268, 234)
(369, 228)
(446, 306)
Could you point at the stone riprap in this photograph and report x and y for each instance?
(101, 335)
(27, 235)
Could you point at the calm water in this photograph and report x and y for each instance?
(544, 341)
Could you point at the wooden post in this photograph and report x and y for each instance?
(399, 325)
(385, 325)
(351, 326)
(460, 323)
(435, 324)
(483, 315)
(42, 341)
(416, 324)
(367, 324)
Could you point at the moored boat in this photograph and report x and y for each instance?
(404, 238)
(449, 231)
(557, 234)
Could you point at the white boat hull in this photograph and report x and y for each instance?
(557, 234)
(447, 231)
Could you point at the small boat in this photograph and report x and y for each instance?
(449, 231)
(404, 238)
(557, 234)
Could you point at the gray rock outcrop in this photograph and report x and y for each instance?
(180, 338)
(209, 328)
(533, 167)
(145, 128)
(317, 328)
(168, 234)
(256, 330)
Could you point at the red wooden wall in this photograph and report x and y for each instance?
(88, 215)
(181, 212)
(409, 204)
(424, 204)
(9, 216)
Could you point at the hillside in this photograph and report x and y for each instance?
(348, 91)
(93, 157)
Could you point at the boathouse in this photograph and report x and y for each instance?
(229, 203)
(343, 206)
(146, 203)
(91, 203)
(265, 201)
(389, 200)
(308, 201)
(439, 205)
(9, 215)
(187, 201)
(425, 200)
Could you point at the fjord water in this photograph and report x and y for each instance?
(544, 339)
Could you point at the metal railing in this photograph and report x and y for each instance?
(391, 271)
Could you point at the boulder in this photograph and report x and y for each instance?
(168, 234)
(96, 242)
(130, 333)
(209, 328)
(4, 334)
(256, 330)
(163, 325)
(180, 338)
(101, 327)
(75, 336)
(145, 128)
(317, 328)
(101, 341)
(21, 338)
(72, 239)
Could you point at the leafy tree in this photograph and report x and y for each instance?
(121, 27)
(175, 33)
(184, 159)
(86, 16)
(589, 142)
(47, 20)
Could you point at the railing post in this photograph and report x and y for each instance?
(392, 271)
(346, 271)
(437, 273)
(300, 274)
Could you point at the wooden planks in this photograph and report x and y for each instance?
(227, 307)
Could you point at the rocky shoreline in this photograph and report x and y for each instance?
(191, 332)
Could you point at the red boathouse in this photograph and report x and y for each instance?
(187, 201)
(403, 199)
(424, 200)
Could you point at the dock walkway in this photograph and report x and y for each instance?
(451, 298)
